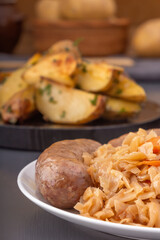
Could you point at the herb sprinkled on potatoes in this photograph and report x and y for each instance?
(51, 100)
(47, 89)
(9, 109)
(119, 91)
(77, 42)
(94, 101)
(63, 114)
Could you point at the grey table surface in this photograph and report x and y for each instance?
(20, 219)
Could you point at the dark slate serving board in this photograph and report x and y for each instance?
(37, 134)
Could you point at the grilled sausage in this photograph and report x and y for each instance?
(61, 175)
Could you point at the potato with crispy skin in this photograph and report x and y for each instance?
(118, 109)
(59, 67)
(19, 107)
(65, 46)
(127, 89)
(61, 104)
(13, 84)
(95, 77)
(61, 175)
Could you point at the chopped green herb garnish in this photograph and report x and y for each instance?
(41, 91)
(47, 89)
(77, 41)
(123, 110)
(59, 91)
(51, 99)
(67, 49)
(45, 52)
(116, 80)
(83, 67)
(119, 91)
(94, 101)
(9, 109)
(63, 114)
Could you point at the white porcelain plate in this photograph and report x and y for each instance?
(26, 183)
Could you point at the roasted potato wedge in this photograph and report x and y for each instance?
(13, 84)
(125, 88)
(59, 68)
(61, 104)
(65, 46)
(117, 109)
(95, 77)
(19, 107)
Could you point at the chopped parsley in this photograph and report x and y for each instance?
(46, 90)
(63, 114)
(83, 67)
(77, 41)
(119, 91)
(123, 110)
(94, 101)
(59, 91)
(116, 80)
(67, 49)
(41, 91)
(9, 109)
(51, 100)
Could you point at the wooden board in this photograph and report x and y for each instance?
(100, 37)
(37, 134)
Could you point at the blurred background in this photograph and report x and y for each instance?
(106, 26)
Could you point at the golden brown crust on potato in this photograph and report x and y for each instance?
(58, 67)
(13, 84)
(125, 88)
(61, 175)
(65, 46)
(19, 107)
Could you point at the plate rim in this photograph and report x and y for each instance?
(66, 127)
(60, 212)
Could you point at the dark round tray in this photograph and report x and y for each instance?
(37, 134)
